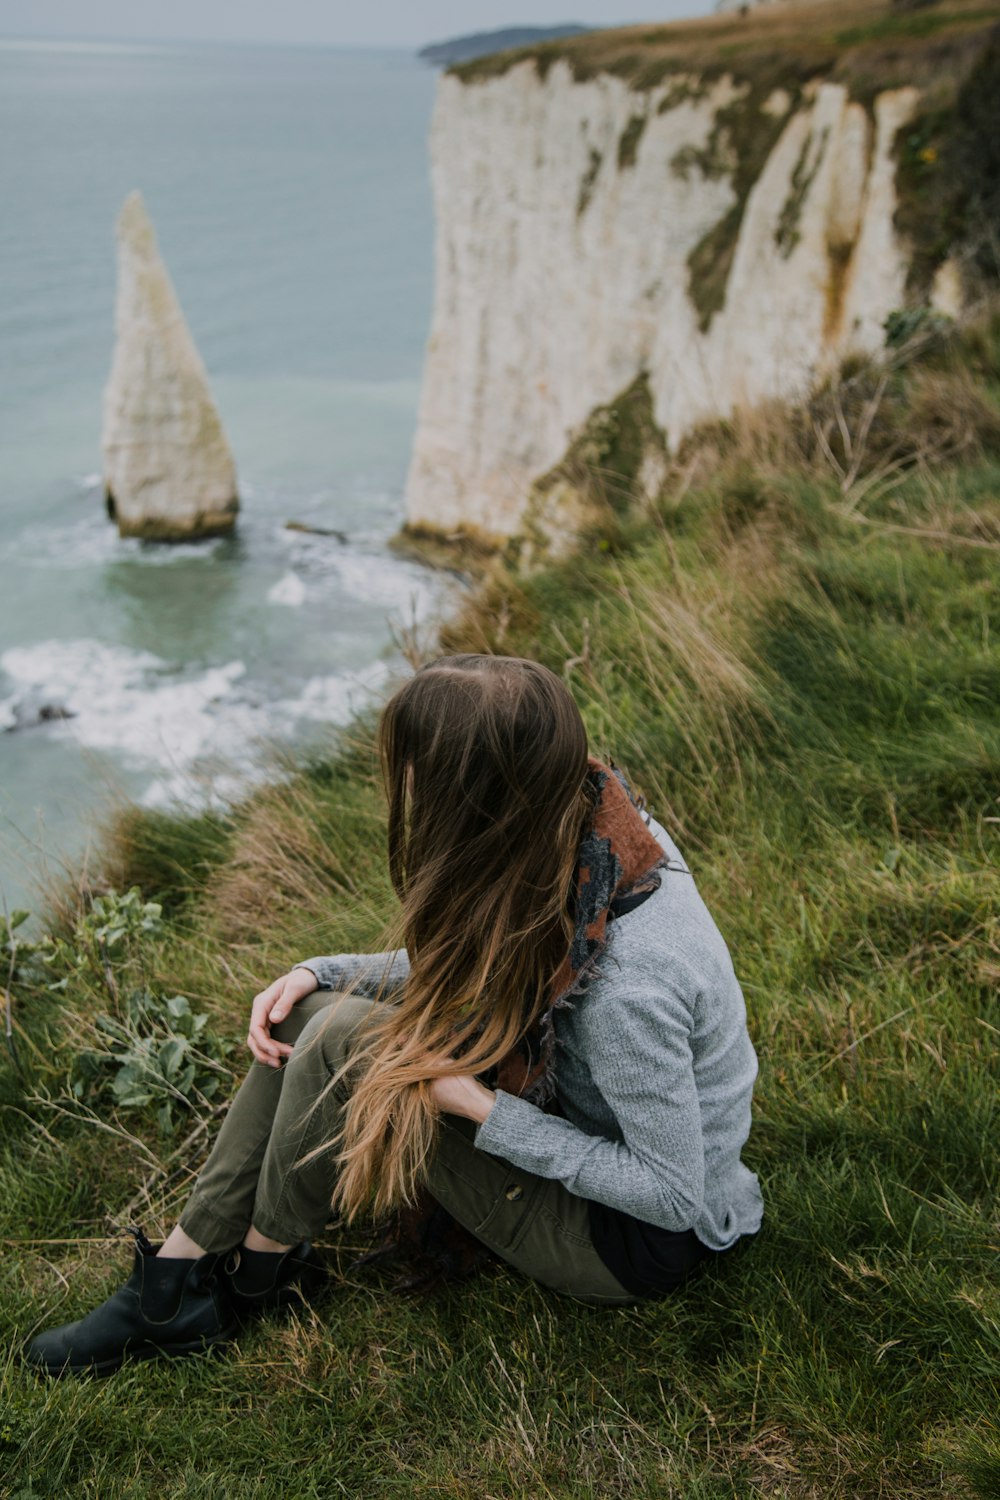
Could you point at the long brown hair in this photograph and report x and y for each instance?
(484, 760)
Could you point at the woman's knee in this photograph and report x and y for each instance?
(302, 1013)
(336, 1026)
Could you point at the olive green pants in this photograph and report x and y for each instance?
(538, 1226)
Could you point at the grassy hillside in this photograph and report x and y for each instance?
(866, 44)
(795, 655)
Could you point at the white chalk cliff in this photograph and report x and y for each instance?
(168, 470)
(567, 214)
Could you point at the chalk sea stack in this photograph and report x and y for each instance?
(169, 474)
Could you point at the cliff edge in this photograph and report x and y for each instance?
(722, 210)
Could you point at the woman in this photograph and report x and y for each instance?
(556, 1054)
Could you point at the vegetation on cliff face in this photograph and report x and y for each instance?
(949, 167)
(628, 142)
(610, 466)
(793, 651)
(743, 135)
(787, 233)
(605, 459)
(588, 180)
(948, 175)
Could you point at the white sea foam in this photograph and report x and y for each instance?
(328, 700)
(335, 698)
(76, 670)
(93, 540)
(132, 703)
(289, 590)
(80, 544)
(202, 735)
(386, 582)
(400, 588)
(161, 553)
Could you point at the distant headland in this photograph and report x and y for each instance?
(482, 43)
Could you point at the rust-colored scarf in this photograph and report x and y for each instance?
(619, 859)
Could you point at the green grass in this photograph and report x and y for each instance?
(912, 24)
(802, 674)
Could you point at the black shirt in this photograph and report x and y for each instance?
(647, 1260)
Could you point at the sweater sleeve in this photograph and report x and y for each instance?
(637, 1048)
(367, 973)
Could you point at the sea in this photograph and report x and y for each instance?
(289, 188)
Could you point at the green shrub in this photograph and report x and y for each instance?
(14, 951)
(156, 1054)
(106, 934)
(904, 324)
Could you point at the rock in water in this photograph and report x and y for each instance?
(168, 470)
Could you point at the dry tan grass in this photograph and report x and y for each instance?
(866, 430)
(287, 873)
(954, 413)
(852, 40)
(702, 622)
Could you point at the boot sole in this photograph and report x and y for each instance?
(206, 1345)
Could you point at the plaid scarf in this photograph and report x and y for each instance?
(618, 864)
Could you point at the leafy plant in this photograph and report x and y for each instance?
(13, 950)
(114, 918)
(106, 934)
(904, 324)
(156, 1054)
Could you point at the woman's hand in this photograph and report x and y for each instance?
(461, 1094)
(273, 1005)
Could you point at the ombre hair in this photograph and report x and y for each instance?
(484, 760)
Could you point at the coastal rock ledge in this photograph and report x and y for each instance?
(169, 473)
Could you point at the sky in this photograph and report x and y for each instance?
(389, 23)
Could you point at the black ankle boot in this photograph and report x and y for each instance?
(166, 1307)
(258, 1281)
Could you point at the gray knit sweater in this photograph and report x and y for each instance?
(654, 1071)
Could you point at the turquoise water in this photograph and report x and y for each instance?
(289, 189)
